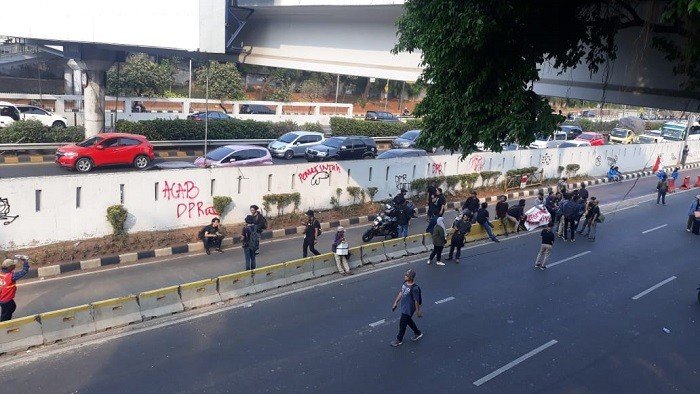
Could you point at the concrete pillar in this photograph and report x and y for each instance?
(236, 108)
(68, 81)
(278, 109)
(94, 96)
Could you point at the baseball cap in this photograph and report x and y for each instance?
(7, 263)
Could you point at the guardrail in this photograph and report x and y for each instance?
(159, 144)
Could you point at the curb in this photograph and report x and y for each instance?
(57, 269)
(21, 159)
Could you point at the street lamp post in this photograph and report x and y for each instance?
(206, 115)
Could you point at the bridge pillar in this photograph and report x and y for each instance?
(94, 96)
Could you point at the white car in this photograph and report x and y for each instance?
(574, 144)
(8, 114)
(49, 119)
(549, 141)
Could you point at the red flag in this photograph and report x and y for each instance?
(657, 164)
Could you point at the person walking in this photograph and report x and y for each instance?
(340, 252)
(8, 288)
(593, 217)
(439, 240)
(411, 300)
(693, 213)
(251, 242)
(211, 236)
(312, 229)
(436, 209)
(545, 248)
(502, 215)
(461, 227)
(482, 217)
(662, 189)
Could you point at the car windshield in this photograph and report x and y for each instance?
(646, 140)
(333, 142)
(585, 136)
(410, 135)
(622, 133)
(387, 155)
(89, 142)
(673, 132)
(288, 138)
(219, 154)
(542, 137)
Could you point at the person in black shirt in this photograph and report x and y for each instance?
(311, 232)
(212, 236)
(471, 204)
(400, 198)
(461, 228)
(482, 217)
(591, 219)
(518, 212)
(436, 208)
(403, 217)
(583, 193)
(258, 219)
(502, 215)
(546, 247)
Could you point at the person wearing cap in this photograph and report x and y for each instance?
(400, 198)
(694, 208)
(312, 229)
(410, 298)
(340, 251)
(8, 277)
(251, 242)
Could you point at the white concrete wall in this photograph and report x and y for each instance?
(180, 198)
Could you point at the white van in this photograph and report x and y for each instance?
(675, 131)
(549, 141)
(8, 114)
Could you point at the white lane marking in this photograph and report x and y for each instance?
(514, 363)
(442, 301)
(622, 209)
(652, 288)
(377, 323)
(654, 229)
(568, 258)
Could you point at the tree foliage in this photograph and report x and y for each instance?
(225, 81)
(481, 58)
(140, 76)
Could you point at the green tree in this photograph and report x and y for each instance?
(481, 58)
(140, 76)
(225, 81)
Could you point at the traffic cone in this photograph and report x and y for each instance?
(671, 185)
(686, 183)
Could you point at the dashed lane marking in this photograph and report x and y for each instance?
(654, 229)
(652, 288)
(377, 323)
(514, 363)
(444, 300)
(568, 259)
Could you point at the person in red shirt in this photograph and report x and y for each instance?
(8, 288)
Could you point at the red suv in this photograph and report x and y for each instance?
(596, 139)
(106, 149)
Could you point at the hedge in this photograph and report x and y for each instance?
(181, 129)
(32, 131)
(346, 126)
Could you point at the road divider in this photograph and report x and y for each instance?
(324, 264)
(374, 253)
(414, 244)
(395, 248)
(116, 312)
(160, 302)
(67, 323)
(20, 334)
(199, 293)
(298, 270)
(270, 277)
(236, 285)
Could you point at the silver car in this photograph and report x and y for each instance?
(294, 143)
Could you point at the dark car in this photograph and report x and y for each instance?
(213, 115)
(399, 153)
(406, 140)
(572, 131)
(381, 116)
(256, 109)
(343, 148)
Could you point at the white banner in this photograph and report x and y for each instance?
(536, 216)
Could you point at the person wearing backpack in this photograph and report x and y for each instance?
(258, 218)
(251, 242)
(411, 300)
(311, 232)
(211, 236)
(662, 189)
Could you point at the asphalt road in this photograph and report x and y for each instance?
(615, 316)
(38, 296)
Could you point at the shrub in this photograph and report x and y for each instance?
(182, 129)
(312, 127)
(116, 216)
(346, 126)
(371, 192)
(521, 171)
(451, 182)
(354, 192)
(421, 184)
(221, 203)
(32, 131)
(467, 181)
(488, 176)
(282, 201)
(572, 168)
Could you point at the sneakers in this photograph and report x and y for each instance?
(440, 263)
(496, 240)
(219, 250)
(395, 343)
(417, 337)
(208, 251)
(542, 267)
(429, 262)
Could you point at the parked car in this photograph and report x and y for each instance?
(675, 131)
(294, 143)
(595, 139)
(343, 148)
(572, 131)
(549, 141)
(8, 114)
(399, 153)
(650, 137)
(381, 116)
(235, 156)
(622, 136)
(106, 149)
(256, 109)
(406, 140)
(574, 144)
(213, 115)
(49, 119)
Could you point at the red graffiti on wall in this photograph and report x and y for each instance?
(319, 168)
(476, 163)
(195, 209)
(437, 169)
(180, 191)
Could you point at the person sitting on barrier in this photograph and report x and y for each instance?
(251, 242)
(340, 252)
(482, 217)
(211, 236)
(462, 227)
(471, 204)
(8, 277)
(518, 212)
(502, 215)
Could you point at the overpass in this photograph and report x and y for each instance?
(316, 35)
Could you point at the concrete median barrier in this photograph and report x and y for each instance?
(20, 334)
(428, 242)
(324, 264)
(270, 277)
(355, 257)
(476, 234)
(116, 312)
(395, 248)
(298, 270)
(236, 285)
(67, 323)
(160, 302)
(414, 244)
(199, 293)
(373, 253)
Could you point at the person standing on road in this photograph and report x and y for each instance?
(482, 217)
(662, 189)
(684, 155)
(258, 218)
(439, 236)
(340, 252)
(411, 300)
(436, 209)
(211, 236)
(561, 185)
(251, 242)
(546, 247)
(694, 207)
(675, 174)
(400, 198)
(311, 232)
(583, 193)
(8, 288)
(592, 217)
(571, 214)
(503, 217)
(403, 217)
(551, 204)
(461, 227)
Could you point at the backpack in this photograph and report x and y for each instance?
(263, 223)
(200, 234)
(420, 294)
(254, 238)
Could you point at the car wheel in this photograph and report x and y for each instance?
(368, 156)
(83, 165)
(58, 124)
(141, 162)
(289, 155)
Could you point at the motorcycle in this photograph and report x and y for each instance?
(384, 225)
